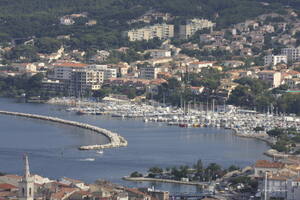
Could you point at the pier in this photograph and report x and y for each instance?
(115, 139)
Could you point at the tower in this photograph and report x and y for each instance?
(26, 185)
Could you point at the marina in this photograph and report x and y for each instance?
(246, 123)
(150, 144)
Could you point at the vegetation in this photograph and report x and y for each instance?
(197, 172)
(22, 20)
(136, 174)
(286, 139)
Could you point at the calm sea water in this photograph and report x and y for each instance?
(53, 152)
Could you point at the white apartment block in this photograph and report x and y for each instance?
(108, 72)
(149, 72)
(275, 59)
(271, 77)
(197, 66)
(159, 53)
(161, 31)
(62, 71)
(194, 25)
(279, 186)
(293, 54)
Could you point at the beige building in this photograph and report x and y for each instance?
(194, 25)
(271, 77)
(84, 80)
(161, 31)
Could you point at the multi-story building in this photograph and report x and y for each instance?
(62, 71)
(271, 77)
(275, 59)
(85, 80)
(149, 72)
(108, 72)
(55, 86)
(161, 31)
(159, 53)
(293, 54)
(194, 25)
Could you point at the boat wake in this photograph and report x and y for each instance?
(87, 159)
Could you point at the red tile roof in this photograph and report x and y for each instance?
(6, 186)
(268, 164)
(70, 64)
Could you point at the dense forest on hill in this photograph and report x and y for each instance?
(40, 18)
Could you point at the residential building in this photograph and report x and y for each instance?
(275, 59)
(83, 81)
(161, 31)
(62, 71)
(25, 67)
(271, 77)
(263, 166)
(149, 72)
(293, 54)
(197, 66)
(159, 53)
(108, 72)
(55, 86)
(194, 25)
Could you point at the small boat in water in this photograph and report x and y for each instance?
(100, 152)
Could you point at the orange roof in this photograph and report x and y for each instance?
(13, 176)
(268, 164)
(6, 186)
(136, 191)
(70, 64)
(267, 71)
(63, 192)
(203, 62)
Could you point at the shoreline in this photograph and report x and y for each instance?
(115, 139)
(143, 179)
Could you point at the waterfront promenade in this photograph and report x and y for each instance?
(115, 139)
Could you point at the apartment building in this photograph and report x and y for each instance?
(108, 72)
(62, 71)
(271, 77)
(275, 59)
(293, 54)
(194, 25)
(159, 53)
(149, 72)
(161, 31)
(84, 80)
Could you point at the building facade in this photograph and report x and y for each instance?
(26, 185)
(194, 25)
(275, 59)
(293, 54)
(161, 31)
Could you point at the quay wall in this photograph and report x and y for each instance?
(144, 179)
(115, 139)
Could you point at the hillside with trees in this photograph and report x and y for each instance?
(21, 19)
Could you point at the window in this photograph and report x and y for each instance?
(29, 191)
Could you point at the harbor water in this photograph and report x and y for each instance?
(53, 148)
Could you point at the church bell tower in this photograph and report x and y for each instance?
(26, 185)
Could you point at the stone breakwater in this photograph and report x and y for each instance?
(115, 139)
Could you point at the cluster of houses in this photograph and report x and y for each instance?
(31, 186)
(67, 72)
(277, 180)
